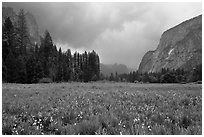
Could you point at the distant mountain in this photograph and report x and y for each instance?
(32, 25)
(179, 47)
(107, 69)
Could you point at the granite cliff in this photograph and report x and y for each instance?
(179, 47)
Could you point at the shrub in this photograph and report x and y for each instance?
(45, 80)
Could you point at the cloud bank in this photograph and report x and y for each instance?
(119, 32)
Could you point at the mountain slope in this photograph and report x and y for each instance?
(106, 70)
(179, 47)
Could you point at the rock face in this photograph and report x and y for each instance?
(179, 47)
(32, 25)
(33, 29)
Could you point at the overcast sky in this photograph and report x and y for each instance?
(119, 32)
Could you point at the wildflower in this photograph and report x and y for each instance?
(16, 132)
(51, 119)
(120, 122)
(149, 127)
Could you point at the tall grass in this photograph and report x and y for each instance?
(101, 109)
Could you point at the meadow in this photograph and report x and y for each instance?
(101, 108)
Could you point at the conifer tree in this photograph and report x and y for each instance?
(31, 69)
(23, 62)
(11, 68)
(46, 52)
(22, 33)
(59, 66)
(7, 38)
(7, 45)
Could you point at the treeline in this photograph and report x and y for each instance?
(165, 76)
(26, 62)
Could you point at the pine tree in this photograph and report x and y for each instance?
(24, 63)
(47, 45)
(4, 72)
(31, 70)
(85, 68)
(75, 60)
(46, 53)
(7, 38)
(68, 62)
(93, 66)
(53, 63)
(38, 70)
(21, 69)
(98, 66)
(78, 60)
(22, 33)
(59, 66)
(7, 45)
(11, 68)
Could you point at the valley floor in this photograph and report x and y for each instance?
(101, 108)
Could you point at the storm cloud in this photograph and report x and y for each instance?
(118, 32)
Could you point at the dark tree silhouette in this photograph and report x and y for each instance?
(25, 62)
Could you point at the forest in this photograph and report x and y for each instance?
(165, 76)
(26, 62)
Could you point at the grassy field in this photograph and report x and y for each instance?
(101, 108)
